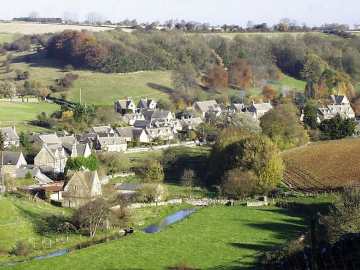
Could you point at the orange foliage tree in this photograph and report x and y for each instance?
(217, 78)
(269, 92)
(241, 74)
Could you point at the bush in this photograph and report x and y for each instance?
(151, 193)
(152, 171)
(21, 248)
(238, 184)
(337, 128)
(65, 83)
(114, 162)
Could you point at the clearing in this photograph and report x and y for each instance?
(323, 165)
(212, 238)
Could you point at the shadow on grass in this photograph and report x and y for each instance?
(43, 223)
(161, 88)
(39, 59)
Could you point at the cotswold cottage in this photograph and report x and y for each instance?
(82, 188)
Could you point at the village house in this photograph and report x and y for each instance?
(51, 159)
(257, 110)
(147, 104)
(111, 144)
(103, 131)
(205, 107)
(161, 133)
(340, 105)
(131, 118)
(125, 106)
(132, 134)
(48, 139)
(11, 163)
(83, 187)
(188, 120)
(11, 138)
(238, 107)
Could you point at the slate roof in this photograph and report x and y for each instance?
(160, 114)
(9, 158)
(111, 140)
(206, 106)
(339, 99)
(49, 139)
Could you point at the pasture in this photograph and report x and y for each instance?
(26, 28)
(212, 238)
(7, 37)
(323, 165)
(19, 114)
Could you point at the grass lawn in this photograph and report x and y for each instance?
(212, 238)
(19, 114)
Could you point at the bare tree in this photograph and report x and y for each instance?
(70, 17)
(92, 216)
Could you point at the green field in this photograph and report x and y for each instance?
(104, 89)
(19, 114)
(20, 220)
(213, 238)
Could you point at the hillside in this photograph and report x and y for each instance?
(323, 165)
(213, 238)
(21, 219)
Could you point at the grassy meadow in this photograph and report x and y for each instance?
(323, 165)
(212, 238)
(19, 114)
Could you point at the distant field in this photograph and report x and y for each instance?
(18, 114)
(265, 34)
(323, 165)
(35, 28)
(6, 37)
(213, 238)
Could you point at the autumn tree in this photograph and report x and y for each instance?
(269, 92)
(240, 74)
(217, 78)
(282, 125)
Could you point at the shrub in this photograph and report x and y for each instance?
(238, 184)
(21, 248)
(152, 171)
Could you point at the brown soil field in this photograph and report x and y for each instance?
(324, 165)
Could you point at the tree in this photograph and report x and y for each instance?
(345, 216)
(337, 128)
(152, 171)
(237, 184)
(184, 78)
(92, 216)
(7, 89)
(80, 163)
(217, 78)
(254, 153)
(237, 120)
(311, 114)
(283, 126)
(269, 92)
(240, 74)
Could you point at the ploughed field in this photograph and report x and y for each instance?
(324, 165)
